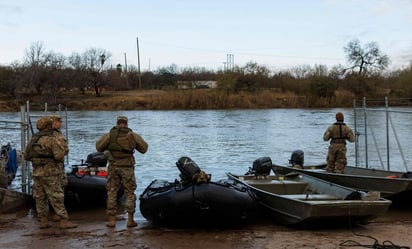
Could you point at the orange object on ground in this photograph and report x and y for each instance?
(392, 176)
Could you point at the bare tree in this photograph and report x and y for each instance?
(36, 61)
(94, 60)
(300, 72)
(367, 58)
(35, 54)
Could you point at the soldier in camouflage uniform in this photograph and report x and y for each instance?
(118, 146)
(56, 126)
(338, 133)
(46, 153)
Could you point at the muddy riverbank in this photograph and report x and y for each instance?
(19, 230)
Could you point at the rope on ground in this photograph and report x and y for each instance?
(385, 244)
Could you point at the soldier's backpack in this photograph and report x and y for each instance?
(36, 150)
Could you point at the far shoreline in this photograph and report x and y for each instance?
(191, 99)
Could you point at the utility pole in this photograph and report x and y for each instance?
(125, 69)
(138, 63)
(230, 62)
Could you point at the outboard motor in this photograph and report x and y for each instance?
(261, 167)
(190, 172)
(187, 167)
(96, 159)
(297, 158)
(95, 165)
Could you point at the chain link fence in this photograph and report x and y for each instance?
(384, 133)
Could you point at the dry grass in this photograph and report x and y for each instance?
(196, 99)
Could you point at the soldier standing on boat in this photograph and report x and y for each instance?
(46, 154)
(118, 146)
(338, 133)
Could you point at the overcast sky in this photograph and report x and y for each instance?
(279, 34)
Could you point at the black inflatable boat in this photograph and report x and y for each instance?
(87, 181)
(195, 199)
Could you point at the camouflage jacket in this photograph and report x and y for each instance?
(61, 140)
(47, 166)
(129, 141)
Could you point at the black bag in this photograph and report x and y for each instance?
(262, 166)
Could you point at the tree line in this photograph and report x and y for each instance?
(47, 72)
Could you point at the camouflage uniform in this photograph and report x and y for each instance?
(63, 142)
(338, 133)
(56, 126)
(119, 145)
(47, 187)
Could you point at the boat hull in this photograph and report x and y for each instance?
(390, 184)
(205, 203)
(304, 200)
(87, 190)
(11, 200)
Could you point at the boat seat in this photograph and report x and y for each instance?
(280, 187)
(312, 197)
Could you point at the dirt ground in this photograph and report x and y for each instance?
(19, 230)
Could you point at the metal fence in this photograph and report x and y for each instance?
(26, 127)
(383, 129)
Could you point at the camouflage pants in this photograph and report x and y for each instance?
(336, 158)
(63, 176)
(47, 189)
(63, 180)
(118, 176)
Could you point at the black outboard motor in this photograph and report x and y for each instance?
(190, 172)
(297, 158)
(187, 167)
(96, 159)
(261, 167)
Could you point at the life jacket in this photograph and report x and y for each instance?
(340, 136)
(119, 144)
(36, 150)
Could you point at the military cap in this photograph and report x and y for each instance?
(122, 119)
(339, 116)
(44, 123)
(56, 117)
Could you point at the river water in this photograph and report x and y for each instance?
(218, 141)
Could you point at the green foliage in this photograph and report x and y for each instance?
(167, 77)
